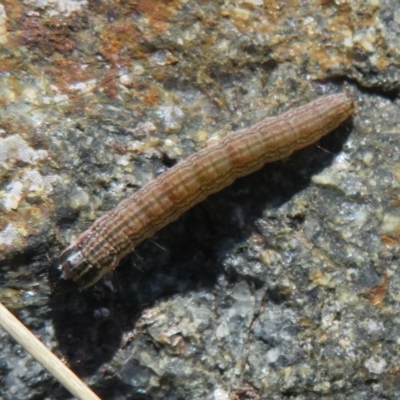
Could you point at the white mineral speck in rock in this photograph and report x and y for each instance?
(55, 99)
(57, 7)
(253, 2)
(244, 304)
(332, 176)
(14, 148)
(241, 13)
(78, 199)
(241, 292)
(223, 330)
(30, 94)
(123, 161)
(391, 224)
(135, 146)
(3, 25)
(322, 387)
(201, 316)
(366, 40)
(270, 257)
(368, 157)
(126, 80)
(84, 87)
(33, 180)
(374, 326)
(172, 149)
(220, 394)
(348, 42)
(146, 128)
(360, 217)
(13, 196)
(273, 355)
(8, 235)
(172, 117)
(375, 365)
(161, 57)
(396, 17)
(49, 182)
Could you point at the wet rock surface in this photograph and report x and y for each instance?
(284, 285)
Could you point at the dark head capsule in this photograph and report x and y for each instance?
(63, 273)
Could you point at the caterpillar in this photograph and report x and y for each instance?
(100, 248)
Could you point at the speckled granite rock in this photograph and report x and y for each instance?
(284, 285)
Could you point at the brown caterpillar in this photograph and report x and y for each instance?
(100, 248)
